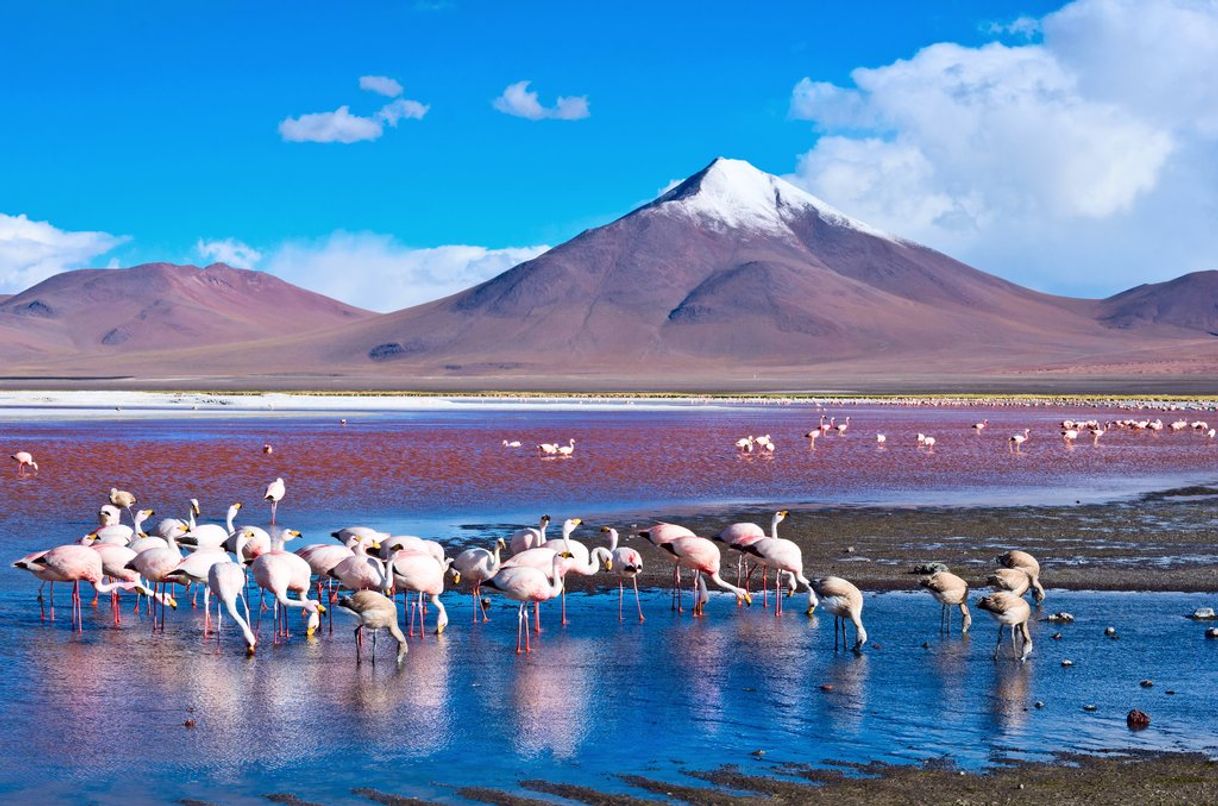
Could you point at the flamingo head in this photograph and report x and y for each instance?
(194, 507)
(501, 544)
(747, 598)
(782, 514)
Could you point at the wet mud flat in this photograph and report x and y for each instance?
(1159, 541)
(1138, 778)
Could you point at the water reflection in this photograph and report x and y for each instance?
(551, 695)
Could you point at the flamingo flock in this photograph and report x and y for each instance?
(363, 571)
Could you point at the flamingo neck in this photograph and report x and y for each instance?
(612, 540)
(774, 527)
(232, 513)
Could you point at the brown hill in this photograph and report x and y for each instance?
(158, 306)
(1189, 302)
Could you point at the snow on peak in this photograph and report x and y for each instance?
(735, 194)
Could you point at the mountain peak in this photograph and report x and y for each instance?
(735, 194)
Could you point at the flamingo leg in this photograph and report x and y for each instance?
(474, 595)
(777, 593)
(620, 593)
(564, 605)
(520, 625)
(536, 618)
(637, 603)
(375, 633)
(998, 643)
(359, 643)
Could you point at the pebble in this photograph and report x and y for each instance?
(1039, 703)
(926, 645)
(1137, 720)
(190, 723)
(1067, 662)
(930, 568)
(1203, 614)
(826, 687)
(849, 549)
(1061, 618)
(1146, 683)
(1170, 692)
(1110, 632)
(1090, 708)
(1212, 632)
(758, 753)
(1057, 636)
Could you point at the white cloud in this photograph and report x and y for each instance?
(375, 271)
(382, 85)
(230, 251)
(31, 251)
(519, 101)
(1083, 162)
(339, 126)
(1026, 27)
(400, 108)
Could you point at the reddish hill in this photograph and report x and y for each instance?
(158, 306)
(1189, 302)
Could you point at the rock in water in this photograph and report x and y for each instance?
(1203, 614)
(1137, 720)
(930, 568)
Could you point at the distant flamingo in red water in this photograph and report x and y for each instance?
(274, 493)
(24, 459)
(979, 427)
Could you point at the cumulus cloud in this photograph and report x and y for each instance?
(339, 126)
(1025, 27)
(375, 271)
(230, 251)
(381, 85)
(1080, 162)
(31, 251)
(519, 101)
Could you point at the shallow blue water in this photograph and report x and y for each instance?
(100, 716)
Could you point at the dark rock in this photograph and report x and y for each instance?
(1039, 704)
(826, 687)
(930, 568)
(1090, 708)
(1137, 720)
(1146, 683)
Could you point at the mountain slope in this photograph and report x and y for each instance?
(1189, 302)
(158, 306)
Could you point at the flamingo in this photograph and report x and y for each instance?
(739, 536)
(478, 565)
(196, 569)
(115, 561)
(157, 564)
(812, 436)
(44, 574)
(122, 498)
(417, 572)
(880, 439)
(411, 543)
(274, 493)
(566, 451)
(375, 611)
(784, 556)
(226, 580)
(515, 443)
(529, 537)
(212, 535)
(281, 572)
(626, 563)
(950, 591)
(76, 563)
(24, 459)
(583, 562)
(108, 515)
(548, 449)
(1068, 436)
(1011, 611)
(658, 535)
(1017, 440)
(702, 557)
(844, 601)
(179, 526)
(979, 427)
(361, 571)
(540, 558)
(841, 427)
(1011, 580)
(363, 533)
(928, 443)
(267, 448)
(1021, 559)
(525, 584)
(120, 534)
(745, 444)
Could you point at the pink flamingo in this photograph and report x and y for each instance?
(530, 537)
(659, 535)
(41, 572)
(739, 536)
(226, 580)
(626, 563)
(274, 493)
(702, 557)
(280, 572)
(785, 557)
(76, 563)
(417, 572)
(116, 560)
(478, 565)
(157, 566)
(524, 585)
(24, 459)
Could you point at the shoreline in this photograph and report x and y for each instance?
(14, 403)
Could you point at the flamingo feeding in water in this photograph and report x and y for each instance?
(844, 601)
(280, 572)
(950, 591)
(226, 581)
(375, 611)
(1011, 611)
(703, 558)
(419, 572)
(76, 563)
(24, 459)
(1025, 561)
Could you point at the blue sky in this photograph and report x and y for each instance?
(160, 125)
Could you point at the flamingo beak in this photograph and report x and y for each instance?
(748, 598)
(375, 546)
(249, 651)
(456, 577)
